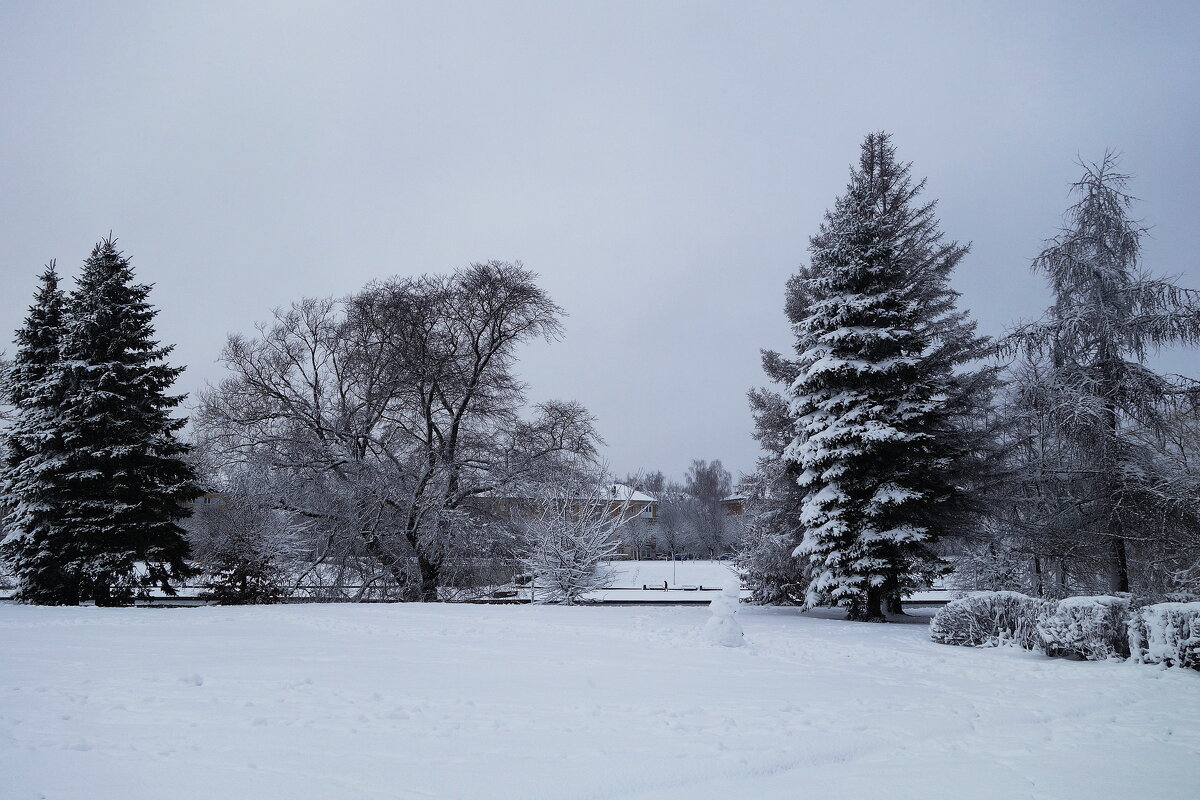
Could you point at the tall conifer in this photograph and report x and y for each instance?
(38, 547)
(881, 407)
(1109, 412)
(126, 480)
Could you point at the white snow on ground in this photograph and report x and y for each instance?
(493, 702)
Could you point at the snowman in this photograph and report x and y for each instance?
(722, 627)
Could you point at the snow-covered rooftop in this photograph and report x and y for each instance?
(624, 492)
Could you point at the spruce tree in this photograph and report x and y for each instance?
(884, 445)
(127, 483)
(38, 547)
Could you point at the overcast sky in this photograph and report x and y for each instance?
(661, 165)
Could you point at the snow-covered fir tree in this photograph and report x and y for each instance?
(125, 482)
(884, 442)
(37, 547)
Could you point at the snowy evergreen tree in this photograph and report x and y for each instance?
(125, 482)
(885, 442)
(1113, 441)
(771, 511)
(37, 547)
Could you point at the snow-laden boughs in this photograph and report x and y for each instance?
(389, 420)
(764, 559)
(38, 547)
(95, 476)
(884, 445)
(248, 551)
(126, 483)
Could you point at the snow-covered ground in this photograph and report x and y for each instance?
(493, 702)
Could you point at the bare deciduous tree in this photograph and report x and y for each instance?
(707, 484)
(248, 550)
(391, 410)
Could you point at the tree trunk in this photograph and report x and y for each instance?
(430, 579)
(395, 566)
(1119, 566)
(895, 605)
(870, 608)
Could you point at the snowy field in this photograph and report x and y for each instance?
(542, 703)
(683, 581)
(709, 574)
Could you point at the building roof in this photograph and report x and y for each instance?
(625, 493)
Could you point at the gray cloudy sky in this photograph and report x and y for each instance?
(661, 164)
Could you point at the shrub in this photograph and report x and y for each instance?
(1166, 633)
(987, 619)
(247, 549)
(1091, 628)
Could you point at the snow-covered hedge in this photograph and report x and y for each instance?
(1091, 628)
(1166, 633)
(986, 619)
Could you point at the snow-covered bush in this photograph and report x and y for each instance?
(987, 619)
(1092, 628)
(1166, 633)
(569, 531)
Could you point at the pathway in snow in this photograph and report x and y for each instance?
(495, 702)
